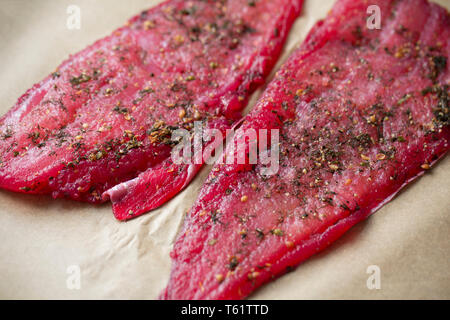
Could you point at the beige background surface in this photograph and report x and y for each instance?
(40, 237)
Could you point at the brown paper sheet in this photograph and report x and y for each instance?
(41, 238)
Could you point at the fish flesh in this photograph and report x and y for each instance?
(360, 113)
(99, 127)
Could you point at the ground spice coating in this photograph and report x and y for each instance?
(105, 116)
(361, 113)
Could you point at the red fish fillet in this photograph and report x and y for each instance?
(361, 113)
(100, 125)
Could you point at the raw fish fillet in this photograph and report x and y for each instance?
(99, 127)
(361, 113)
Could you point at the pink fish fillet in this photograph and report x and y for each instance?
(360, 112)
(99, 127)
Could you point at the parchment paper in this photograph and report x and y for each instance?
(41, 238)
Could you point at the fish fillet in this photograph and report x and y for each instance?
(360, 112)
(99, 127)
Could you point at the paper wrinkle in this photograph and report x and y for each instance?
(40, 237)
